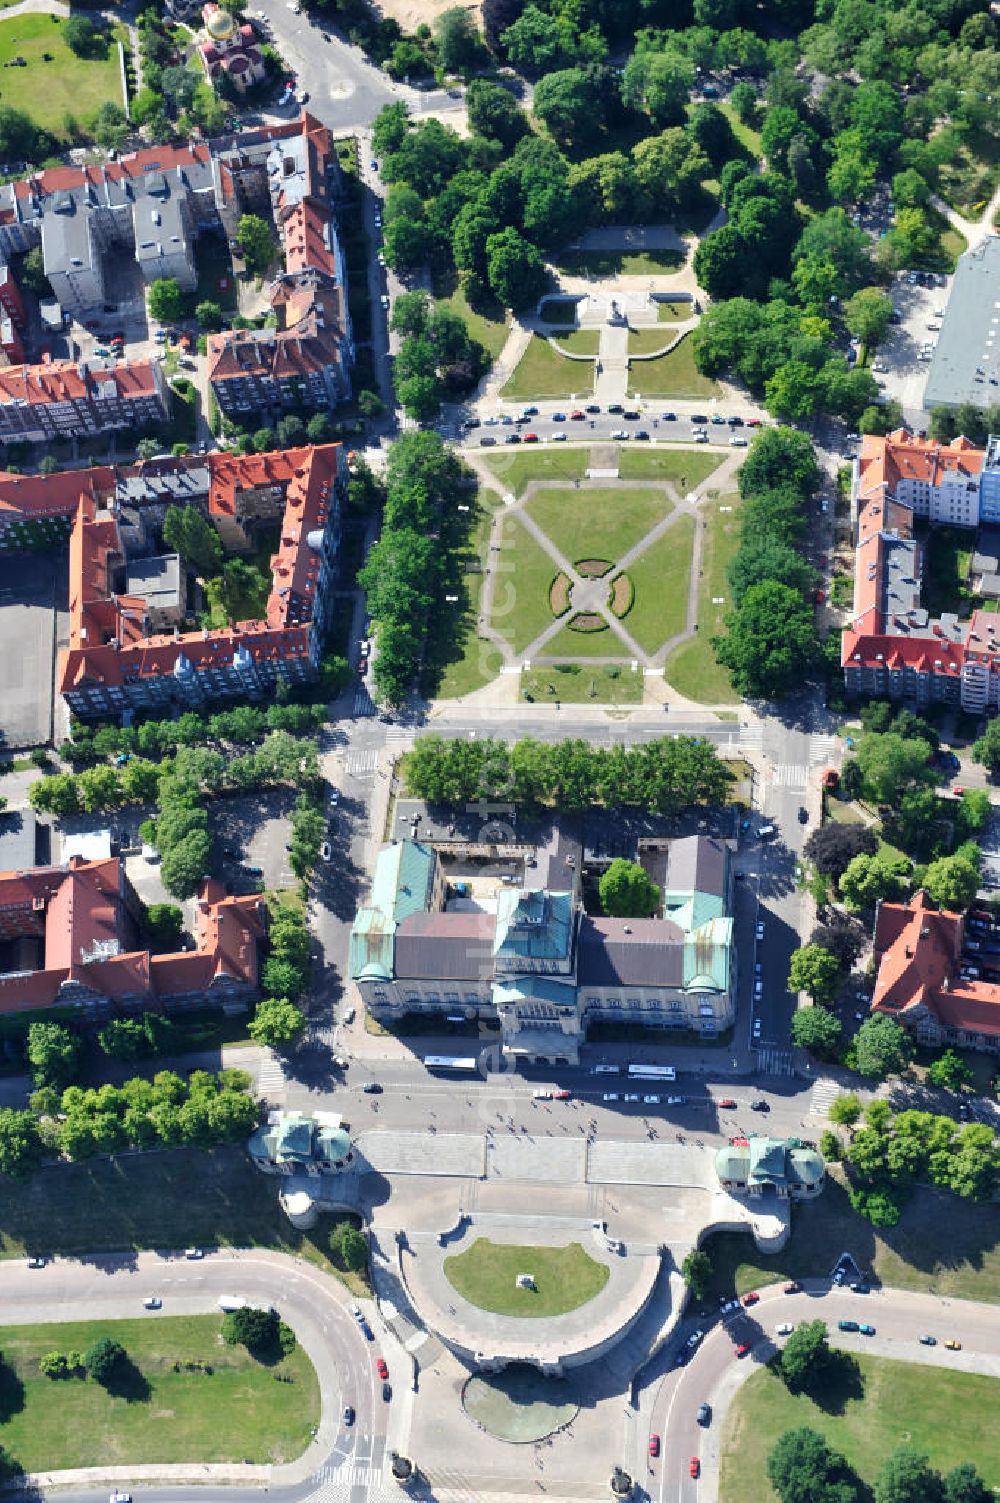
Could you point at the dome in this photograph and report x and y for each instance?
(220, 25)
(807, 1166)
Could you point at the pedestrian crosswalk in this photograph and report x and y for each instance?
(271, 1077)
(752, 737)
(398, 733)
(336, 1484)
(822, 1096)
(363, 703)
(792, 775)
(772, 1061)
(822, 748)
(362, 763)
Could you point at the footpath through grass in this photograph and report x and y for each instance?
(662, 577)
(243, 1408)
(486, 1275)
(888, 1404)
(691, 669)
(65, 85)
(473, 661)
(598, 521)
(521, 591)
(515, 469)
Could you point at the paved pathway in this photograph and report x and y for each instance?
(974, 231)
(34, 8)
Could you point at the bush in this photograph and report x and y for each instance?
(103, 1359)
(256, 1329)
(348, 1246)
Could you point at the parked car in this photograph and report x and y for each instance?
(751, 1298)
(193, 1254)
(928, 1341)
(793, 1287)
(866, 1330)
(847, 1325)
(953, 1344)
(387, 1391)
(37, 1262)
(727, 1103)
(785, 1329)
(153, 1303)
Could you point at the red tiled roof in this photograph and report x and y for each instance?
(917, 951)
(61, 381)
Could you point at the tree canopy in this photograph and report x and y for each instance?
(628, 891)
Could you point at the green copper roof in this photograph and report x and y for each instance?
(534, 926)
(403, 879)
(534, 989)
(372, 946)
(707, 956)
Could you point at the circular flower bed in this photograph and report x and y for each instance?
(559, 594)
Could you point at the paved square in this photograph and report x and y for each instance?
(32, 591)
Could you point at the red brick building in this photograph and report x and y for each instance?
(918, 951)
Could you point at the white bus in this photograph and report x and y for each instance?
(652, 1072)
(452, 1062)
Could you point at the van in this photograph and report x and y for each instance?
(230, 1302)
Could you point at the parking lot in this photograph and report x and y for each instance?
(905, 374)
(32, 596)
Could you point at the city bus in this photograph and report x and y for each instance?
(652, 1072)
(452, 1063)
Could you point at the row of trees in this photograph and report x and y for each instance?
(661, 776)
(410, 568)
(155, 738)
(770, 639)
(278, 1021)
(894, 1151)
(437, 360)
(167, 1111)
(804, 1468)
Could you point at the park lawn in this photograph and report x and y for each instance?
(571, 684)
(674, 313)
(686, 468)
(942, 1244)
(881, 1405)
(597, 521)
(486, 1275)
(673, 375)
(615, 263)
(476, 661)
(649, 341)
(487, 322)
(745, 134)
(586, 644)
(543, 372)
(177, 1198)
(691, 668)
(153, 1414)
(515, 469)
(67, 86)
(661, 576)
(521, 592)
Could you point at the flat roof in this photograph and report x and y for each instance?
(966, 363)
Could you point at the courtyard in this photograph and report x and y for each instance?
(33, 595)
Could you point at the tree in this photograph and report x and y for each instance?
(870, 879)
(973, 812)
(952, 882)
(907, 1477)
(963, 1484)
(816, 1029)
(696, 1271)
(780, 457)
(319, 429)
(103, 1359)
(348, 1245)
(166, 300)
(950, 1072)
(110, 126)
(832, 847)
(252, 1327)
(209, 315)
(20, 1145)
(628, 891)
(419, 397)
(514, 269)
(187, 532)
(81, 36)
(291, 430)
(882, 1047)
(537, 43)
(986, 750)
(815, 971)
(459, 44)
(891, 764)
(659, 84)
(569, 105)
(276, 1023)
(803, 1468)
(842, 936)
(163, 924)
(805, 1355)
(124, 1038)
(867, 315)
(53, 1052)
(185, 865)
(845, 1110)
(32, 273)
(770, 641)
(494, 113)
(256, 242)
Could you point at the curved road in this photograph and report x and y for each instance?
(315, 1305)
(714, 1374)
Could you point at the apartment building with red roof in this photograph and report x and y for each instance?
(70, 399)
(918, 951)
(892, 646)
(69, 937)
(115, 659)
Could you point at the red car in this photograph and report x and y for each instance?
(727, 1102)
(742, 1349)
(530, 438)
(577, 416)
(819, 597)
(751, 1298)
(694, 1466)
(562, 1095)
(794, 1287)
(381, 1368)
(654, 1445)
(753, 422)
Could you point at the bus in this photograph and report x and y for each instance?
(652, 1072)
(452, 1063)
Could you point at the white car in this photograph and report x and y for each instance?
(620, 433)
(785, 1329)
(152, 1303)
(700, 438)
(736, 442)
(631, 1096)
(558, 438)
(651, 1100)
(933, 325)
(326, 851)
(759, 931)
(541, 1095)
(611, 1096)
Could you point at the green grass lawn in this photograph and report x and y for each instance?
(888, 1404)
(521, 594)
(580, 685)
(578, 341)
(941, 1243)
(66, 86)
(692, 669)
(686, 468)
(648, 341)
(475, 661)
(543, 372)
(602, 263)
(485, 1275)
(674, 313)
(174, 1199)
(515, 469)
(661, 576)
(487, 322)
(599, 521)
(157, 1415)
(216, 280)
(673, 375)
(587, 644)
(748, 138)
